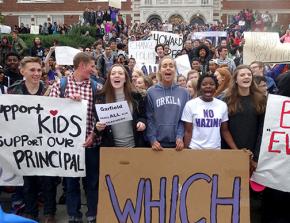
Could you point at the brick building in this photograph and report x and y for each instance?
(279, 9)
(36, 12)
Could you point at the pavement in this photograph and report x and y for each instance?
(61, 214)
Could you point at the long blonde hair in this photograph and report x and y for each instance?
(233, 98)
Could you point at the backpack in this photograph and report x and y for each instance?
(95, 85)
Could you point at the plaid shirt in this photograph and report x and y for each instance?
(84, 90)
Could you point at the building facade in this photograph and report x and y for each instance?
(206, 11)
(279, 9)
(36, 12)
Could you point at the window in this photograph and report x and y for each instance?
(59, 19)
(40, 1)
(40, 19)
(25, 19)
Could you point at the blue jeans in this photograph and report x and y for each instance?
(35, 184)
(91, 187)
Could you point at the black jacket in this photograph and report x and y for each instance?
(139, 115)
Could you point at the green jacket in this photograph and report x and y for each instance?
(19, 46)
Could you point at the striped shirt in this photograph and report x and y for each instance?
(84, 89)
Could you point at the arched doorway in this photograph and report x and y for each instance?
(154, 19)
(175, 19)
(197, 19)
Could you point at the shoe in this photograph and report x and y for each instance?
(75, 220)
(18, 207)
(49, 219)
(91, 219)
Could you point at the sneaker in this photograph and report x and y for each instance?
(49, 219)
(91, 219)
(18, 207)
(74, 220)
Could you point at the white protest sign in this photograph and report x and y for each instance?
(147, 68)
(115, 3)
(65, 54)
(265, 47)
(167, 27)
(273, 167)
(174, 41)
(183, 64)
(215, 34)
(42, 135)
(5, 29)
(113, 113)
(34, 30)
(242, 23)
(143, 51)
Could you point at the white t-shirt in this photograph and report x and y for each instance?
(206, 119)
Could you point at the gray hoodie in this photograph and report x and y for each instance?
(164, 108)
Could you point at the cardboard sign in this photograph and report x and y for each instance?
(182, 64)
(143, 51)
(273, 166)
(64, 55)
(42, 135)
(147, 68)
(34, 30)
(115, 3)
(174, 41)
(265, 47)
(113, 113)
(140, 185)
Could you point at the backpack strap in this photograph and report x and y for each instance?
(62, 86)
(2, 89)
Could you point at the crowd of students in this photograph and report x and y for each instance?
(212, 106)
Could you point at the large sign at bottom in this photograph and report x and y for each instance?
(140, 185)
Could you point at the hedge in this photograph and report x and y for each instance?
(74, 38)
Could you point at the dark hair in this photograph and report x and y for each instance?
(220, 48)
(195, 59)
(159, 45)
(12, 54)
(201, 78)
(109, 91)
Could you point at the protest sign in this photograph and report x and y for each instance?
(147, 68)
(273, 167)
(140, 185)
(209, 34)
(34, 29)
(242, 23)
(115, 3)
(65, 54)
(265, 47)
(5, 29)
(167, 27)
(143, 51)
(113, 113)
(174, 41)
(42, 135)
(182, 64)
